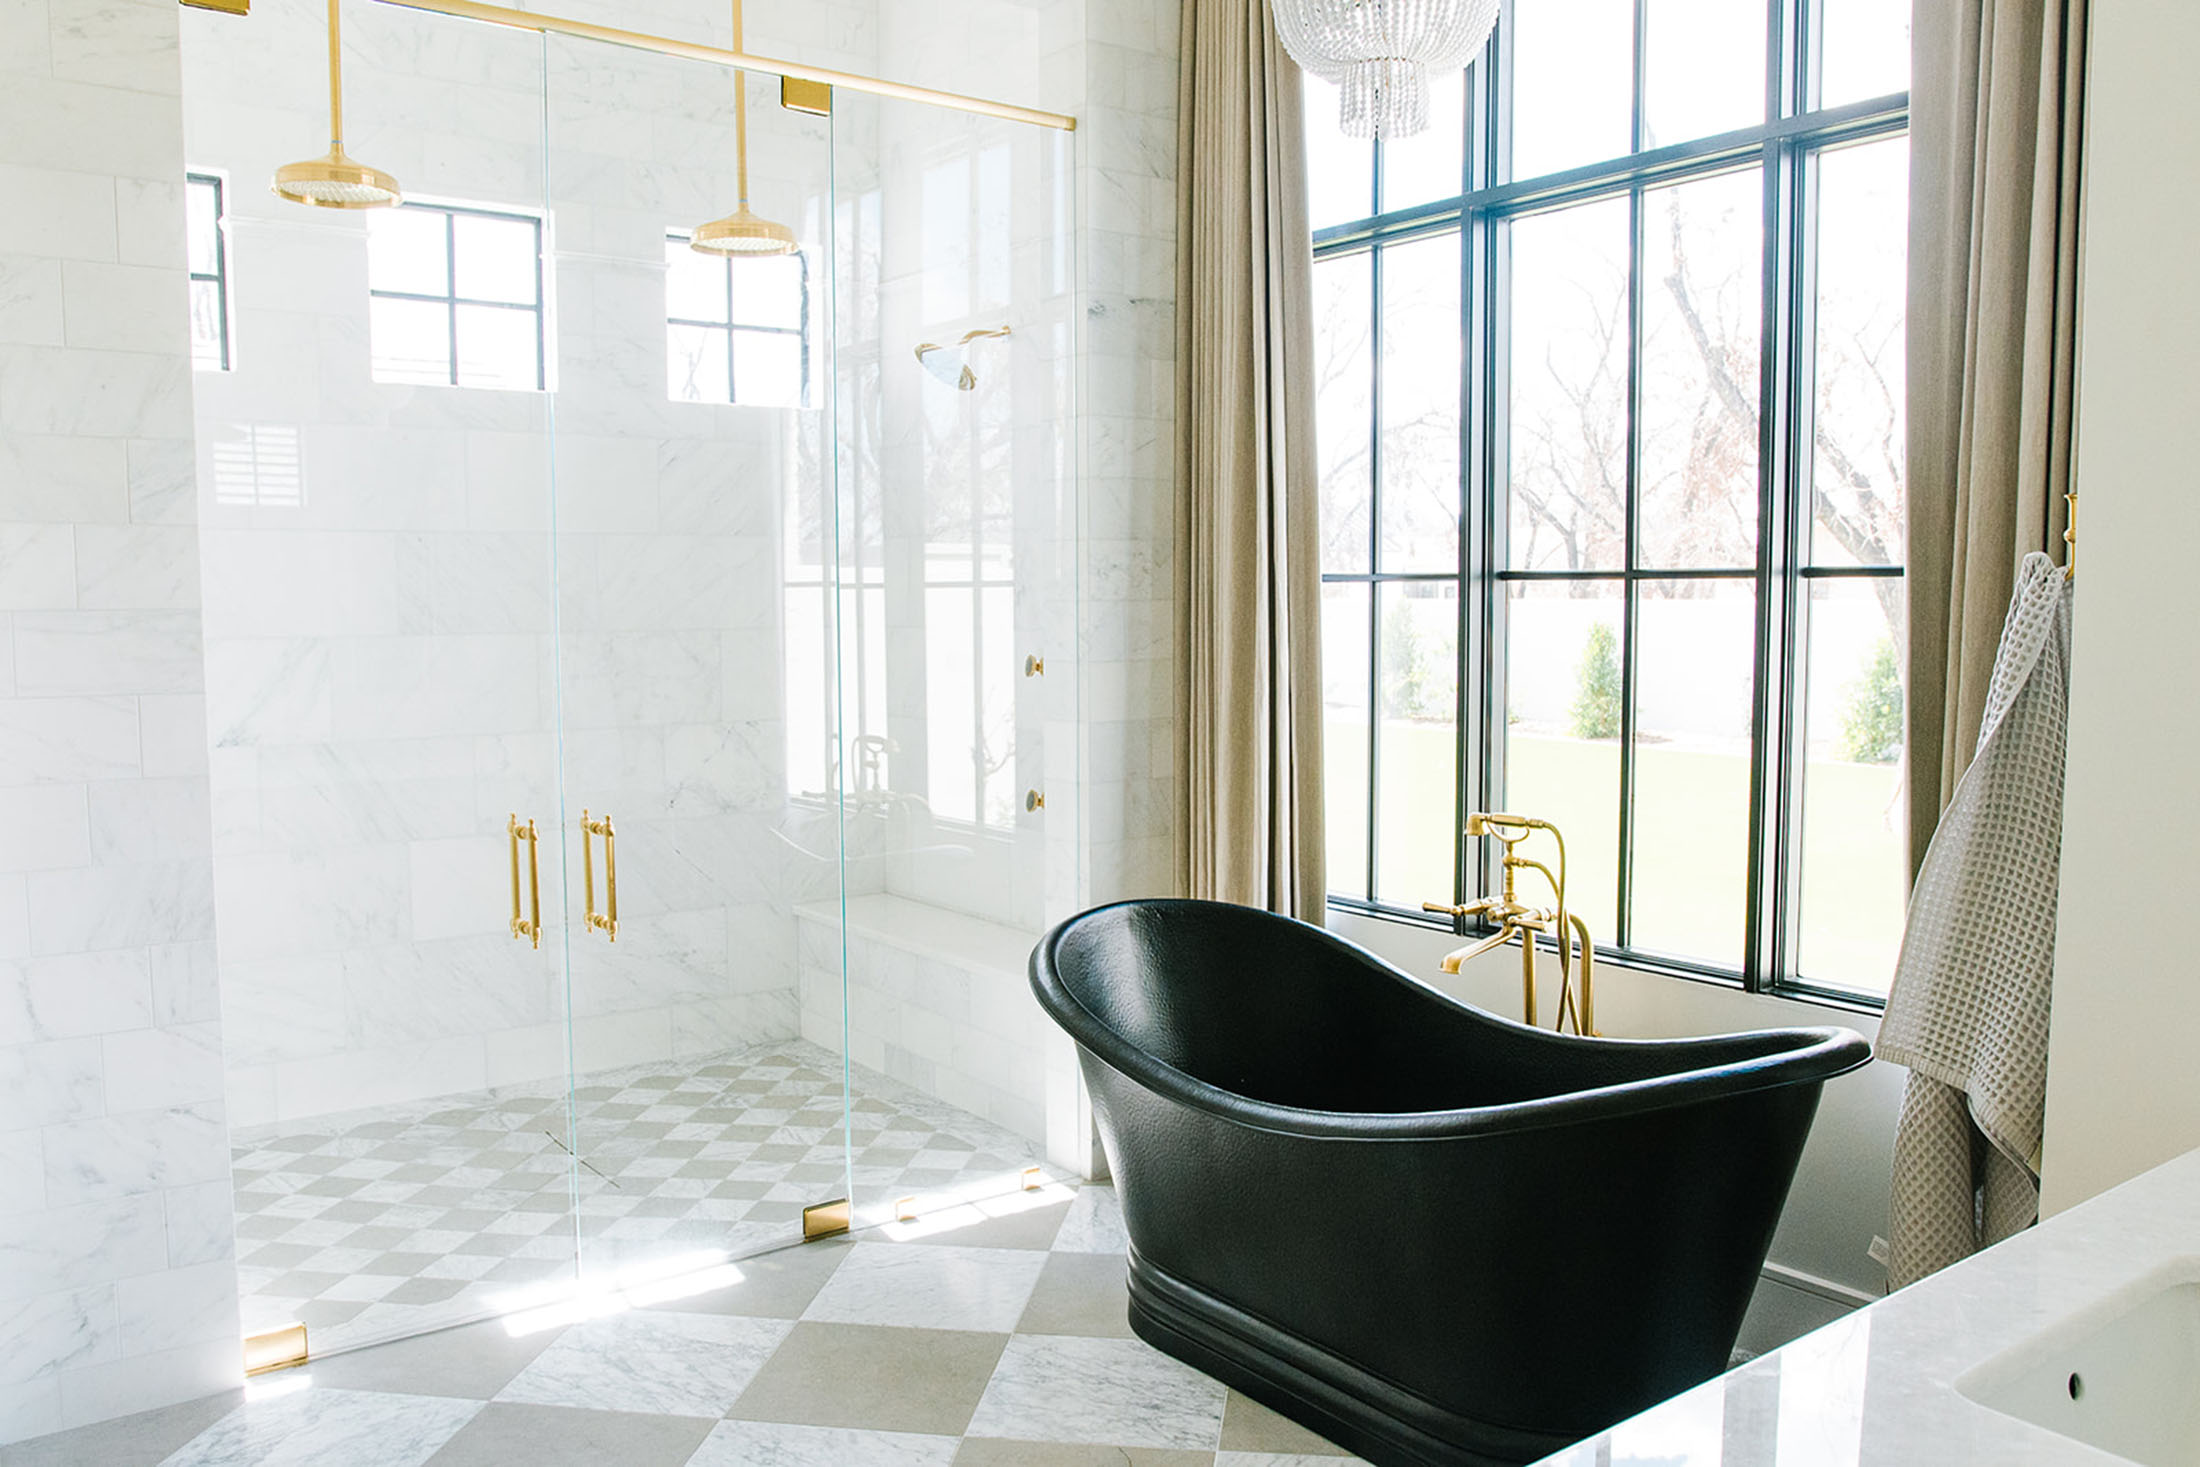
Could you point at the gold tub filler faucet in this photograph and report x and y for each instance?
(1514, 918)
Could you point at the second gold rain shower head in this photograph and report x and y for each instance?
(743, 233)
(335, 180)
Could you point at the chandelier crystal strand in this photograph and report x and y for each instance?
(1379, 53)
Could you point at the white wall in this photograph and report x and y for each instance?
(2121, 1094)
(117, 1276)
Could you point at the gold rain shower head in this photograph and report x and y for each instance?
(742, 234)
(335, 180)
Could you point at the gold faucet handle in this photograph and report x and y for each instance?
(1470, 909)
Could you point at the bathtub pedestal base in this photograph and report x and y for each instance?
(1317, 1388)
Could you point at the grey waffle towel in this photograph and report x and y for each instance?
(1968, 1009)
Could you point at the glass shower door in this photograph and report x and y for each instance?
(700, 828)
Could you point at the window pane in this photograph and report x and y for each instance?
(407, 251)
(1857, 470)
(496, 258)
(1344, 734)
(1430, 165)
(201, 215)
(696, 364)
(497, 348)
(1344, 403)
(410, 341)
(1420, 464)
(695, 284)
(1340, 171)
(1694, 676)
(1417, 762)
(1865, 51)
(1703, 69)
(1568, 429)
(1562, 690)
(1855, 883)
(767, 371)
(1701, 317)
(1573, 83)
(206, 326)
(768, 292)
(949, 730)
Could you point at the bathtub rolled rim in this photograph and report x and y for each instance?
(1815, 1055)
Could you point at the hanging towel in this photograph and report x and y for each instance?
(1968, 1008)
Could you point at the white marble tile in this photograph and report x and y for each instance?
(124, 307)
(81, 1247)
(1125, 1392)
(1283, 1459)
(67, 739)
(179, 1307)
(930, 1287)
(37, 563)
(769, 1444)
(151, 1068)
(669, 1364)
(113, 652)
(73, 995)
(58, 1331)
(174, 734)
(186, 986)
(61, 213)
(49, 1082)
(1094, 1223)
(328, 1428)
(137, 1151)
(137, 567)
(201, 1222)
(149, 820)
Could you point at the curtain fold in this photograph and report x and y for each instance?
(1996, 111)
(1249, 591)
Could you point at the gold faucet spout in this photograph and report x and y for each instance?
(1453, 960)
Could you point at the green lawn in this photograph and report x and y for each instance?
(1691, 834)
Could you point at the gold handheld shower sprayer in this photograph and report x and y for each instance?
(336, 180)
(742, 233)
(1514, 918)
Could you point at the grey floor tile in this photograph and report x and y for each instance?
(1281, 1459)
(991, 1225)
(506, 1435)
(929, 1287)
(874, 1377)
(776, 1444)
(1248, 1426)
(1079, 1294)
(316, 1427)
(662, 1363)
(1062, 1388)
(474, 1361)
(777, 1285)
(132, 1441)
(988, 1452)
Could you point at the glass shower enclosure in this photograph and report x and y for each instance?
(635, 675)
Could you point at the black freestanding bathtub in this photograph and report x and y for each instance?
(1429, 1233)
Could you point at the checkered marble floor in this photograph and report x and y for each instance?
(981, 1336)
(374, 1225)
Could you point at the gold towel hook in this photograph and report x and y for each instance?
(2070, 538)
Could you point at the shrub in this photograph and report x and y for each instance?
(1596, 700)
(1871, 724)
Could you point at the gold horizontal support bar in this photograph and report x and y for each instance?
(528, 20)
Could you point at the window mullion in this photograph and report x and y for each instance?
(1631, 589)
(1374, 557)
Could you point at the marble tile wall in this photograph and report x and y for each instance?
(117, 1270)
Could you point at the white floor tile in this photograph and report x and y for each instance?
(1125, 1392)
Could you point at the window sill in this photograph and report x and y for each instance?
(1867, 1004)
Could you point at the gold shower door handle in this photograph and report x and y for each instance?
(607, 920)
(529, 927)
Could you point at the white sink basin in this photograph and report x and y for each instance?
(2123, 1376)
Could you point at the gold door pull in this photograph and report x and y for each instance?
(607, 920)
(530, 926)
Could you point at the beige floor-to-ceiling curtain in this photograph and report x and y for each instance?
(1996, 98)
(1249, 579)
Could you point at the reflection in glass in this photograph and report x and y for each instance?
(1421, 355)
(1855, 874)
(1340, 171)
(1572, 82)
(1562, 720)
(1694, 682)
(1865, 51)
(1430, 165)
(1344, 401)
(1857, 471)
(1568, 378)
(1702, 314)
(1417, 759)
(1703, 69)
(1344, 735)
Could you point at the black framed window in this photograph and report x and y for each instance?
(455, 296)
(736, 331)
(1610, 419)
(206, 262)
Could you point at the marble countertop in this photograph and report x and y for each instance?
(1878, 1387)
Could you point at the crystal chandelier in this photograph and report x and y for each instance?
(1380, 52)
